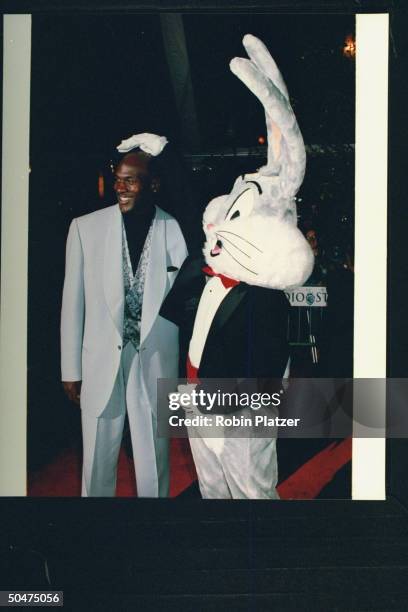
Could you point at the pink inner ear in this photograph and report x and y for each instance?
(276, 135)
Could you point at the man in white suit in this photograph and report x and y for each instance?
(121, 262)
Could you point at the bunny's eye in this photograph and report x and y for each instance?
(242, 206)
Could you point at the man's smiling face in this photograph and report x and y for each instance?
(132, 181)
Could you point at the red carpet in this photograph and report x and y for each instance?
(62, 478)
(315, 474)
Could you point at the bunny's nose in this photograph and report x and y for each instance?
(210, 226)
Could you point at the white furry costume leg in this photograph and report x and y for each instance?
(244, 468)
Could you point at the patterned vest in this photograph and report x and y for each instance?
(134, 287)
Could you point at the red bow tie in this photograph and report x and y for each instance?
(226, 281)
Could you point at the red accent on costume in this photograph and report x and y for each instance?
(226, 281)
(192, 372)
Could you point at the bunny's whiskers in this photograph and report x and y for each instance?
(220, 233)
(238, 262)
(234, 245)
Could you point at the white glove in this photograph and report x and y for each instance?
(189, 408)
(149, 143)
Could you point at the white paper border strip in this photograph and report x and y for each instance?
(14, 247)
(370, 301)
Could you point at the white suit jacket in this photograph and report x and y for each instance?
(93, 306)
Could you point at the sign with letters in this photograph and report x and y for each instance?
(307, 296)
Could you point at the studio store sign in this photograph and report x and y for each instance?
(307, 296)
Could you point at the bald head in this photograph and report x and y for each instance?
(138, 157)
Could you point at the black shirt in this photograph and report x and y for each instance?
(137, 223)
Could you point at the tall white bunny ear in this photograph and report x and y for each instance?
(286, 149)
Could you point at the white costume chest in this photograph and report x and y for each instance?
(211, 298)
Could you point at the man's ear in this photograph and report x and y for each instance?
(155, 184)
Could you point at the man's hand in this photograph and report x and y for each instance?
(73, 390)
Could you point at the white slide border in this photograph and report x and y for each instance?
(14, 248)
(370, 298)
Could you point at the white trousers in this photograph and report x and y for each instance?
(243, 468)
(102, 438)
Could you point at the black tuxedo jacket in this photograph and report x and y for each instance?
(248, 335)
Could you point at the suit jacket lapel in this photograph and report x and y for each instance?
(226, 309)
(156, 276)
(113, 269)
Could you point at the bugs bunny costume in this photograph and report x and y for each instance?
(253, 251)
